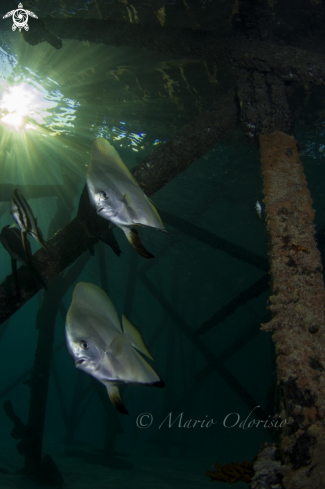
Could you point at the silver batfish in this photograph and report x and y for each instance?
(116, 195)
(100, 347)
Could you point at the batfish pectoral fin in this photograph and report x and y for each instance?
(135, 335)
(115, 398)
(116, 347)
(133, 238)
(127, 199)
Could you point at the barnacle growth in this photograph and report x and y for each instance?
(297, 307)
(231, 473)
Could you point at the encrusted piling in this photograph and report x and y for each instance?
(297, 304)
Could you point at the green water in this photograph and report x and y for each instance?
(138, 99)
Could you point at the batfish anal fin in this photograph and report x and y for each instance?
(133, 238)
(135, 335)
(115, 398)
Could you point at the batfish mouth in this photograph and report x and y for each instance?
(79, 362)
(100, 210)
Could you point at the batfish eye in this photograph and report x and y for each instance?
(84, 344)
(103, 195)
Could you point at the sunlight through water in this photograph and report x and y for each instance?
(27, 104)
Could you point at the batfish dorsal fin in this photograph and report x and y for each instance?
(135, 335)
(115, 398)
(103, 151)
(92, 297)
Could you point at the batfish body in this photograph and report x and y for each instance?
(101, 348)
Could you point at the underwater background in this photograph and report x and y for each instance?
(199, 303)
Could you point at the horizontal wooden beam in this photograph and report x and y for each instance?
(289, 63)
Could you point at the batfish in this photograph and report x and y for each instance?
(24, 217)
(101, 348)
(116, 195)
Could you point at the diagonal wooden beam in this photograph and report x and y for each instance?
(162, 165)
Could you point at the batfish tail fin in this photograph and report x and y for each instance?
(133, 238)
(115, 398)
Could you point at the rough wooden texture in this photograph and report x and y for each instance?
(191, 142)
(159, 168)
(263, 103)
(297, 305)
(288, 62)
